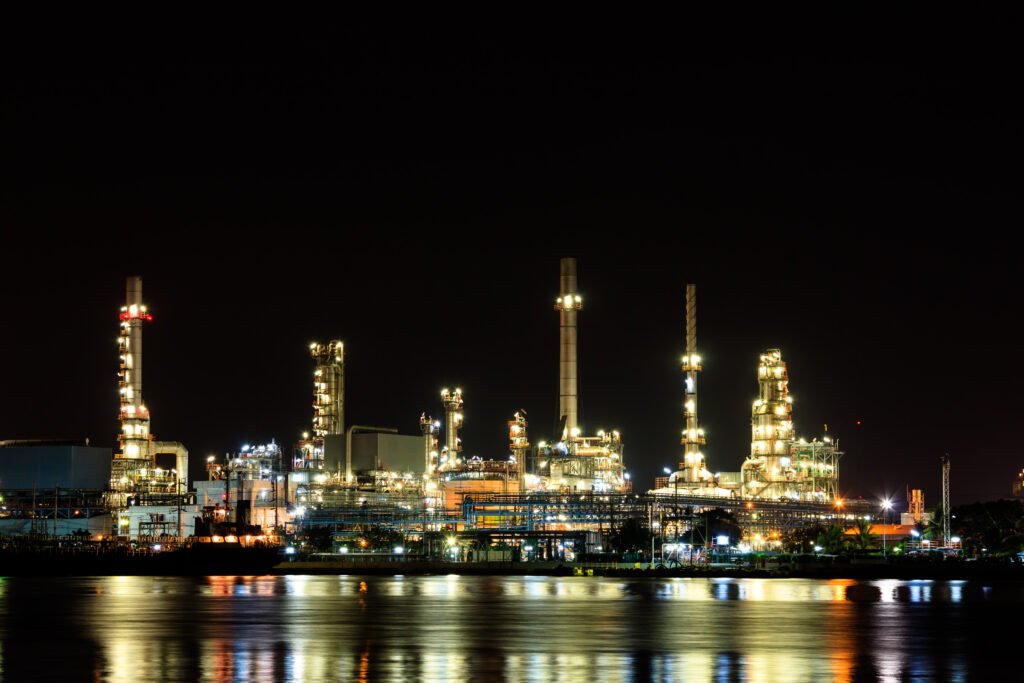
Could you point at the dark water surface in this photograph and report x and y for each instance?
(451, 628)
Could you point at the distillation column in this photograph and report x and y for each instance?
(692, 469)
(134, 439)
(328, 405)
(567, 304)
(429, 427)
(519, 444)
(768, 472)
(452, 401)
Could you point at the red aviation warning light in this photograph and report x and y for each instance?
(135, 312)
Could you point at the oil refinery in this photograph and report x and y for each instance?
(566, 495)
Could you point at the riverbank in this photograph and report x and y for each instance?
(908, 571)
(115, 559)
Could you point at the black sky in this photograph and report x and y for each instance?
(843, 194)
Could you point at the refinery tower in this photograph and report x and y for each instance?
(576, 462)
(137, 480)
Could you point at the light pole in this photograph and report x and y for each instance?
(654, 532)
(886, 504)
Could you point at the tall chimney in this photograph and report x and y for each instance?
(567, 304)
(134, 438)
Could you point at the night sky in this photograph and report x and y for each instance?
(846, 198)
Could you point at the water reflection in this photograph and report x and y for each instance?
(441, 628)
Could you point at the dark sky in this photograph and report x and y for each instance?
(842, 194)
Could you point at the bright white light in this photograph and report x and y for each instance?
(399, 550)
(667, 470)
(915, 533)
(343, 550)
(156, 547)
(818, 548)
(289, 550)
(722, 540)
(955, 539)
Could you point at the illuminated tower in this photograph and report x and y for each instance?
(429, 429)
(567, 304)
(519, 444)
(452, 401)
(328, 405)
(771, 428)
(134, 440)
(692, 469)
(916, 506)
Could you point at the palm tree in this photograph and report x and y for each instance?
(832, 539)
(864, 539)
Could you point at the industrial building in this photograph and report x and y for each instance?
(52, 486)
(563, 496)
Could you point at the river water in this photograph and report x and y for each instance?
(506, 628)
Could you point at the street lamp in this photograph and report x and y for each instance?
(886, 504)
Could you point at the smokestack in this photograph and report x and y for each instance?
(567, 304)
(134, 416)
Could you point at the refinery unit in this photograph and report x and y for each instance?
(563, 494)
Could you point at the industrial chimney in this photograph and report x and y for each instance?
(567, 304)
